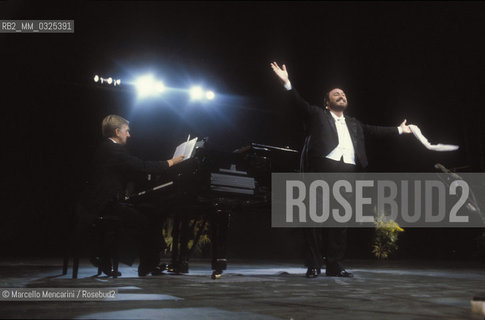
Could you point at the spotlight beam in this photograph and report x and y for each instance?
(147, 86)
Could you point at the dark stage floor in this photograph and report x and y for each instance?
(266, 290)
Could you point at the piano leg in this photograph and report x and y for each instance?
(175, 243)
(185, 230)
(180, 235)
(220, 228)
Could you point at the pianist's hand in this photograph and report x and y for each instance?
(175, 160)
(280, 72)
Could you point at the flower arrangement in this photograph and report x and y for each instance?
(386, 237)
(198, 235)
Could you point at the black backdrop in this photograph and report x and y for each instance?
(420, 60)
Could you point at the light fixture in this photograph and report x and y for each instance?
(159, 86)
(210, 95)
(196, 93)
(145, 85)
(110, 80)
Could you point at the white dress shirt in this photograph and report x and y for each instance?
(345, 148)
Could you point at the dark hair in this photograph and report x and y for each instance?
(326, 98)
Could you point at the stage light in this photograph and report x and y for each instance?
(160, 87)
(210, 95)
(109, 80)
(196, 93)
(149, 86)
(146, 86)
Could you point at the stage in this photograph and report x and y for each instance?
(255, 290)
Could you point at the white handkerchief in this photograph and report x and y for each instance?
(434, 147)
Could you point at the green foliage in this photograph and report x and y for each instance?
(194, 227)
(386, 237)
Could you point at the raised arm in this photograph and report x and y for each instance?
(383, 131)
(297, 100)
(281, 73)
(404, 127)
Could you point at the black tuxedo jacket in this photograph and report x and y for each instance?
(113, 167)
(322, 135)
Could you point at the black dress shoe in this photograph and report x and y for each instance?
(104, 264)
(108, 270)
(156, 271)
(113, 274)
(216, 274)
(339, 273)
(178, 268)
(312, 272)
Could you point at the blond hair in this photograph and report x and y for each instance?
(111, 123)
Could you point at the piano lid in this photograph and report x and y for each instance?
(263, 147)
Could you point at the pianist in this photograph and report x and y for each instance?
(113, 167)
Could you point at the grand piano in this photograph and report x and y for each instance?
(210, 186)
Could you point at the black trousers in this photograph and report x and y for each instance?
(326, 242)
(219, 224)
(141, 233)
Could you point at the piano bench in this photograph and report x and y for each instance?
(105, 230)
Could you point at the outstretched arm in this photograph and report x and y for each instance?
(405, 128)
(281, 73)
(296, 99)
(383, 131)
(175, 160)
(131, 163)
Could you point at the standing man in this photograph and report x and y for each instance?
(334, 143)
(113, 168)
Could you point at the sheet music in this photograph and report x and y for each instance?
(189, 148)
(434, 147)
(185, 149)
